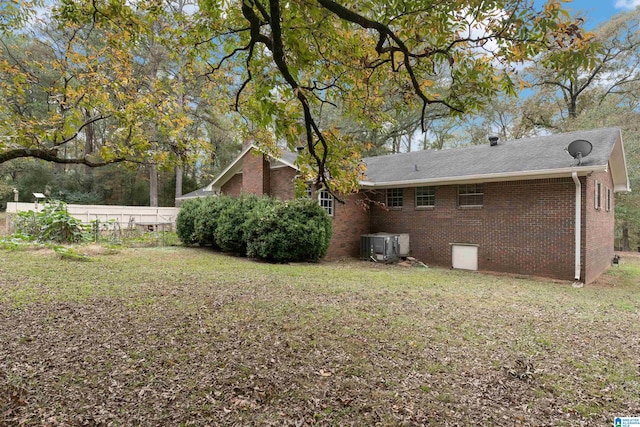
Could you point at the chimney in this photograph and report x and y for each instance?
(493, 140)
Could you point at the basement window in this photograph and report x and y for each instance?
(395, 197)
(425, 197)
(325, 199)
(470, 195)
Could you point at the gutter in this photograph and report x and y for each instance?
(487, 177)
(578, 226)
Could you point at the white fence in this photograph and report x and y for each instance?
(124, 216)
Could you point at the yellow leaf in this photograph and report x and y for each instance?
(427, 83)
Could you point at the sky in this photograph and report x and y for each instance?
(596, 11)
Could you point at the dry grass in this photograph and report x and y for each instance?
(176, 336)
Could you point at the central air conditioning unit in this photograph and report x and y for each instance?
(379, 247)
(403, 243)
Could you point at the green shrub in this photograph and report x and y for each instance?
(261, 212)
(206, 221)
(57, 225)
(52, 224)
(26, 224)
(230, 231)
(186, 221)
(298, 230)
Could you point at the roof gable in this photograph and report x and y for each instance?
(287, 158)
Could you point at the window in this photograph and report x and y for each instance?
(394, 197)
(325, 199)
(470, 195)
(608, 200)
(425, 196)
(598, 195)
(307, 191)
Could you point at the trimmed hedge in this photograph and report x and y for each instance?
(230, 230)
(206, 221)
(185, 222)
(266, 228)
(298, 230)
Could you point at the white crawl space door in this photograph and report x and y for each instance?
(464, 257)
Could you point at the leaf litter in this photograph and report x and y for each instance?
(189, 337)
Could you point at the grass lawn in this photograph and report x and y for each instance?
(178, 336)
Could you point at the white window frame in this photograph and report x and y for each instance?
(429, 197)
(326, 201)
(471, 190)
(395, 198)
(598, 195)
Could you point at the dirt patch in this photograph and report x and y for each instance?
(605, 281)
(94, 250)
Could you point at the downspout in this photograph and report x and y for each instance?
(578, 226)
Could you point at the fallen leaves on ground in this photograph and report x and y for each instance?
(188, 337)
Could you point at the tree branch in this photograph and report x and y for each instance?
(385, 33)
(51, 155)
(84, 125)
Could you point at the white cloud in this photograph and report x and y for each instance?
(627, 4)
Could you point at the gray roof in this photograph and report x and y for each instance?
(201, 192)
(289, 156)
(528, 156)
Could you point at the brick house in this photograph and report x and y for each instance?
(524, 206)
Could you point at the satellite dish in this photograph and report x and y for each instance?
(579, 149)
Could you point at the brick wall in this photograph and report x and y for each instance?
(598, 227)
(282, 183)
(279, 182)
(233, 187)
(255, 174)
(523, 227)
(350, 221)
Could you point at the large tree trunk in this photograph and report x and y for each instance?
(395, 148)
(89, 134)
(625, 238)
(89, 137)
(153, 185)
(178, 183)
(153, 179)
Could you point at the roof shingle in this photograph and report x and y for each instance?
(544, 153)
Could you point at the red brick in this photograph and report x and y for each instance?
(598, 227)
(524, 227)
